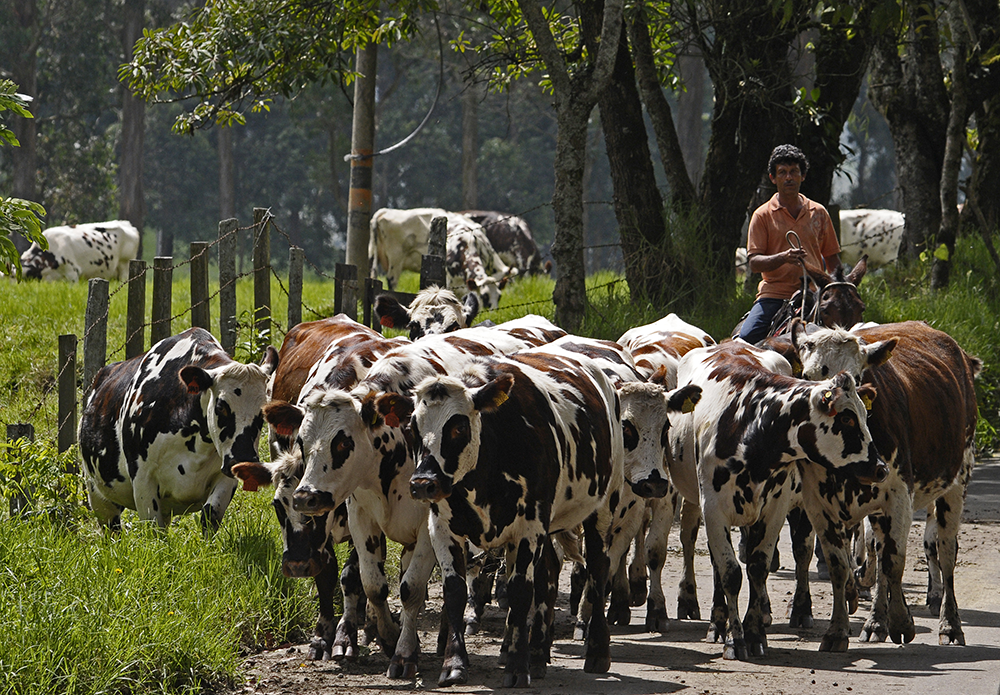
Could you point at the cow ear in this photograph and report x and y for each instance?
(284, 417)
(254, 475)
(395, 408)
(471, 284)
(867, 394)
(488, 398)
(390, 312)
(269, 362)
(684, 399)
(660, 376)
(858, 272)
(880, 352)
(827, 400)
(471, 306)
(196, 379)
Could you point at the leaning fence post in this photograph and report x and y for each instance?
(372, 287)
(345, 290)
(19, 500)
(261, 273)
(432, 268)
(135, 319)
(95, 331)
(200, 314)
(163, 278)
(227, 284)
(296, 258)
(67, 392)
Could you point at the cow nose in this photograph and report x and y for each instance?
(307, 501)
(651, 487)
(300, 568)
(424, 488)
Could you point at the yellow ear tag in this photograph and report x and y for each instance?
(500, 399)
(688, 406)
(867, 400)
(374, 418)
(828, 394)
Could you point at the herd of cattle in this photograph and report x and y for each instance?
(521, 442)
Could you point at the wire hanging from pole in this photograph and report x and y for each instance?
(420, 126)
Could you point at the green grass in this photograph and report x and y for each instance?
(87, 612)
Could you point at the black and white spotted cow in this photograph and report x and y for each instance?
(875, 233)
(472, 263)
(738, 451)
(923, 423)
(83, 251)
(512, 451)
(433, 311)
(511, 237)
(161, 432)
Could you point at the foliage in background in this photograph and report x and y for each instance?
(17, 216)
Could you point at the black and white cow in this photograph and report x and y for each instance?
(161, 432)
(875, 233)
(738, 451)
(515, 450)
(432, 311)
(511, 237)
(83, 251)
(924, 423)
(471, 261)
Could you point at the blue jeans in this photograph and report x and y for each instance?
(759, 319)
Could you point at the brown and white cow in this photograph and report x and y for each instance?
(513, 450)
(511, 238)
(83, 251)
(923, 424)
(738, 451)
(161, 432)
(432, 311)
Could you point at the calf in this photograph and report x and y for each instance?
(737, 450)
(83, 251)
(875, 233)
(924, 424)
(161, 432)
(433, 311)
(512, 240)
(517, 449)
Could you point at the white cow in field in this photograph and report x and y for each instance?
(83, 251)
(877, 233)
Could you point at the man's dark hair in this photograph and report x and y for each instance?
(787, 154)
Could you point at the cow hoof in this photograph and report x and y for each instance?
(735, 650)
(453, 676)
(947, 638)
(657, 621)
(619, 614)
(537, 670)
(837, 643)
(472, 627)
(755, 648)
(715, 633)
(800, 619)
(319, 650)
(875, 633)
(516, 680)
(934, 606)
(341, 652)
(401, 669)
(637, 592)
(597, 664)
(688, 610)
(580, 632)
(906, 635)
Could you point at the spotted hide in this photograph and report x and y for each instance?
(517, 449)
(161, 432)
(399, 238)
(472, 263)
(875, 233)
(511, 237)
(83, 251)
(738, 449)
(923, 424)
(433, 311)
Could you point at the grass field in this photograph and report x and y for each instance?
(144, 611)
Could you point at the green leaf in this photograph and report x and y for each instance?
(941, 253)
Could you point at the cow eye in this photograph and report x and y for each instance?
(458, 430)
(222, 409)
(847, 419)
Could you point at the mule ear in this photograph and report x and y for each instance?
(684, 399)
(196, 379)
(797, 331)
(491, 396)
(390, 312)
(867, 393)
(660, 376)
(394, 408)
(270, 360)
(284, 417)
(880, 352)
(254, 475)
(858, 272)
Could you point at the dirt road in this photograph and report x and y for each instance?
(680, 661)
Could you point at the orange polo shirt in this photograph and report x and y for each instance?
(766, 236)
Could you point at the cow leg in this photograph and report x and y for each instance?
(216, 505)
(638, 576)
(948, 510)
(148, 504)
(412, 592)
(803, 539)
(520, 596)
(345, 641)
(835, 548)
(935, 589)
(890, 615)
(656, 555)
(687, 593)
(450, 552)
(626, 525)
(865, 558)
(546, 592)
(761, 540)
(108, 513)
(480, 585)
(579, 608)
(326, 589)
(729, 580)
(598, 651)
(370, 544)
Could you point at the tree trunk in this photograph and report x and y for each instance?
(25, 75)
(132, 205)
(984, 187)
(690, 109)
(362, 146)
(227, 178)
(470, 147)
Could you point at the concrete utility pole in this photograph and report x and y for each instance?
(359, 204)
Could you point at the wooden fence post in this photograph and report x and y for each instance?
(163, 277)
(345, 290)
(261, 273)
(372, 288)
(135, 319)
(66, 421)
(227, 284)
(432, 267)
(296, 258)
(19, 500)
(95, 331)
(200, 314)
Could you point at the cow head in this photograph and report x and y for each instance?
(232, 397)
(488, 288)
(308, 540)
(37, 263)
(433, 311)
(347, 441)
(645, 425)
(832, 350)
(446, 426)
